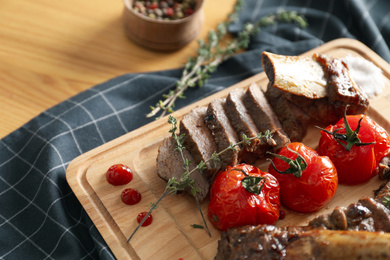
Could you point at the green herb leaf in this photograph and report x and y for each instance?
(197, 226)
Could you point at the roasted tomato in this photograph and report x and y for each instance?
(243, 195)
(307, 180)
(355, 153)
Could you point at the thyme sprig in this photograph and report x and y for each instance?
(218, 48)
(185, 182)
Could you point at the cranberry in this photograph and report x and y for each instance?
(119, 174)
(147, 222)
(131, 196)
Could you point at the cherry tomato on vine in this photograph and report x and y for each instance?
(307, 180)
(355, 144)
(243, 195)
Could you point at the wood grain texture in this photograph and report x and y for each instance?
(171, 235)
(52, 50)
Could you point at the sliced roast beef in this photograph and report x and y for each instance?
(198, 139)
(264, 117)
(294, 121)
(170, 164)
(243, 123)
(223, 132)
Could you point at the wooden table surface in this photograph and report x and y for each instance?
(52, 50)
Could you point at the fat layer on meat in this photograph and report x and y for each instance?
(264, 117)
(223, 132)
(198, 139)
(170, 164)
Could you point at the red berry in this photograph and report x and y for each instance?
(119, 174)
(147, 222)
(131, 196)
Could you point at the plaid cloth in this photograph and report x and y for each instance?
(40, 217)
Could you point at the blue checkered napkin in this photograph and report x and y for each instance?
(40, 218)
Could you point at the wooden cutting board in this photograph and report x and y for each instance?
(171, 235)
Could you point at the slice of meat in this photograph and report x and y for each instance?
(243, 123)
(342, 90)
(294, 121)
(223, 132)
(170, 164)
(264, 117)
(198, 139)
(270, 242)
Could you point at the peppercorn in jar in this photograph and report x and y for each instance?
(165, 9)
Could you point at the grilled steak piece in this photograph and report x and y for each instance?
(243, 123)
(341, 88)
(170, 164)
(366, 214)
(222, 132)
(320, 86)
(294, 121)
(264, 117)
(198, 138)
(270, 242)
